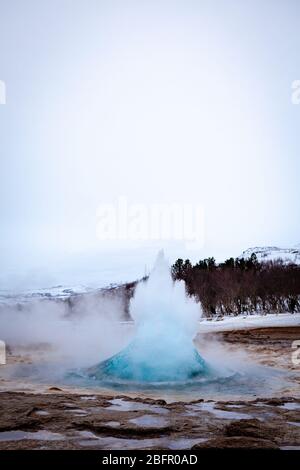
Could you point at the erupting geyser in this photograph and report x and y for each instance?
(166, 323)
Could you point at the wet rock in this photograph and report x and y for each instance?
(236, 442)
(275, 402)
(12, 423)
(148, 400)
(251, 428)
(124, 430)
(20, 411)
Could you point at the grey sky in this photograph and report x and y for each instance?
(158, 101)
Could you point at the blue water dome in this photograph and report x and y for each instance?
(158, 365)
(166, 321)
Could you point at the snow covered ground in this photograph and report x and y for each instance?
(249, 321)
(55, 292)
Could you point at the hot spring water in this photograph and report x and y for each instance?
(161, 358)
(162, 355)
(166, 323)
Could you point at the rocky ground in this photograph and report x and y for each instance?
(64, 421)
(60, 418)
(270, 346)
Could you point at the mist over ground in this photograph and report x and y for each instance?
(90, 332)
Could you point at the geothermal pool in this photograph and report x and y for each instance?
(168, 384)
(162, 358)
(163, 354)
(162, 350)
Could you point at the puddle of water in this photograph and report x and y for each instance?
(39, 436)
(77, 411)
(290, 406)
(42, 413)
(114, 443)
(86, 434)
(290, 448)
(181, 444)
(113, 424)
(88, 398)
(210, 407)
(235, 406)
(293, 423)
(119, 404)
(149, 421)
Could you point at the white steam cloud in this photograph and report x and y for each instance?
(92, 331)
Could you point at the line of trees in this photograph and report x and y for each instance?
(241, 285)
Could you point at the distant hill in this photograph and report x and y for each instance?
(272, 253)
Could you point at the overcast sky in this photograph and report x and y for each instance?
(156, 101)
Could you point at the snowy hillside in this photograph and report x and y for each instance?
(271, 253)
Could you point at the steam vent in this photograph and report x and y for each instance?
(166, 323)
